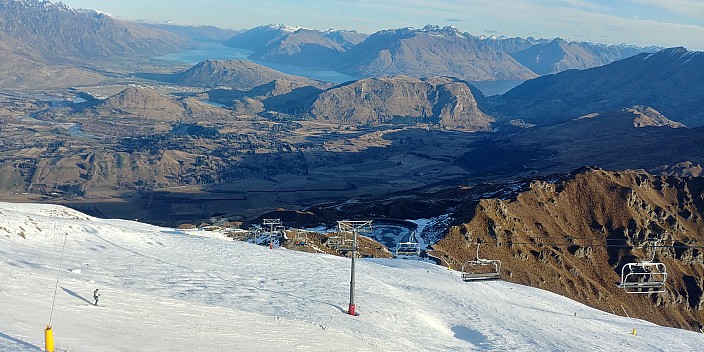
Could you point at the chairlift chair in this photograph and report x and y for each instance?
(334, 242)
(481, 269)
(647, 276)
(342, 242)
(280, 231)
(409, 248)
(346, 245)
(257, 236)
(301, 238)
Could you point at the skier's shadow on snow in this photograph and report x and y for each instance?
(74, 294)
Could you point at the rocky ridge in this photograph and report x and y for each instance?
(234, 74)
(442, 101)
(554, 235)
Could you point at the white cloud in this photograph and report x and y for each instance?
(583, 20)
(693, 9)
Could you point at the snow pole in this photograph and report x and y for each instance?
(634, 332)
(48, 339)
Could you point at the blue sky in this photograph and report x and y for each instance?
(641, 22)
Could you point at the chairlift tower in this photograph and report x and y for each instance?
(271, 223)
(354, 227)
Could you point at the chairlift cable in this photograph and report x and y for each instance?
(602, 245)
(58, 276)
(607, 238)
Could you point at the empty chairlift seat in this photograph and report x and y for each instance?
(481, 269)
(409, 248)
(643, 277)
(646, 276)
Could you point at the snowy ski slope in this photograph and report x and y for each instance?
(162, 289)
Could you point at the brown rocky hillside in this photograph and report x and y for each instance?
(444, 101)
(134, 98)
(235, 74)
(554, 235)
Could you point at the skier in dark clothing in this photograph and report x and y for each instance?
(95, 296)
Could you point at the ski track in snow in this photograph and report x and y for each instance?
(162, 289)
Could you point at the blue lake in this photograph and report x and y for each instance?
(217, 51)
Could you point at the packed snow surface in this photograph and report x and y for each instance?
(163, 289)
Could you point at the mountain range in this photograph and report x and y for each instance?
(664, 83)
(44, 34)
(668, 81)
(60, 33)
(298, 46)
(557, 55)
(427, 51)
(46, 45)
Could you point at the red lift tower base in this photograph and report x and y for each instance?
(352, 310)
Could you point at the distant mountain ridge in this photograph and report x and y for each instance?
(668, 81)
(559, 55)
(303, 47)
(197, 33)
(294, 45)
(236, 74)
(46, 45)
(259, 37)
(60, 33)
(431, 50)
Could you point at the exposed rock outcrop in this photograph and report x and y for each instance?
(572, 237)
(443, 101)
